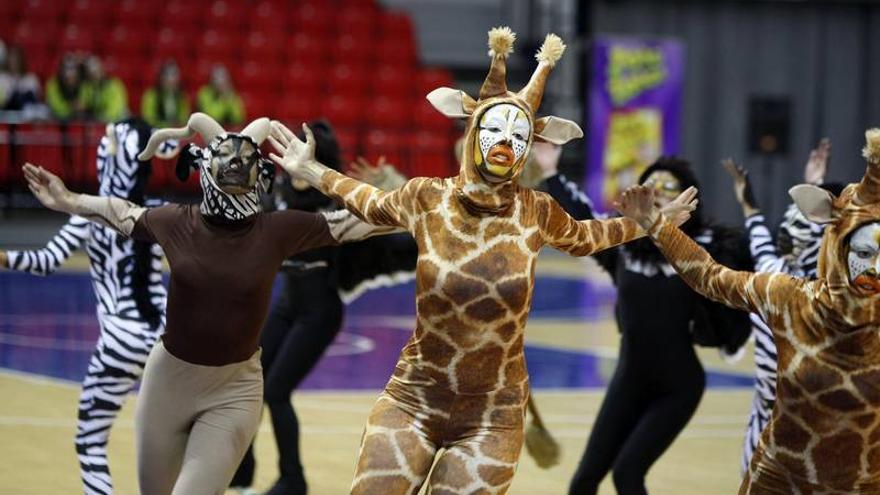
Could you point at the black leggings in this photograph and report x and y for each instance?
(301, 326)
(637, 422)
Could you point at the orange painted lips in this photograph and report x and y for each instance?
(867, 283)
(500, 154)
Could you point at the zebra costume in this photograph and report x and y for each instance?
(806, 237)
(127, 280)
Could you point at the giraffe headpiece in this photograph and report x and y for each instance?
(231, 165)
(501, 124)
(849, 260)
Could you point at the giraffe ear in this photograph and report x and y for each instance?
(556, 130)
(453, 103)
(815, 203)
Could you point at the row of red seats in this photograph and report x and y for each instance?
(228, 14)
(70, 152)
(190, 19)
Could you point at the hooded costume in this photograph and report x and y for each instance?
(461, 381)
(658, 380)
(127, 279)
(823, 434)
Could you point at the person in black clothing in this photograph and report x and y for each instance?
(658, 381)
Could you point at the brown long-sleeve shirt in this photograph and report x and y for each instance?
(222, 275)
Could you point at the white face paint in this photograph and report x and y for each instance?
(863, 257)
(503, 137)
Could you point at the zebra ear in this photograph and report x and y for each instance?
(815, 203)
(187, 161)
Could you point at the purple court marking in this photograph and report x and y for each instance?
(48, 327)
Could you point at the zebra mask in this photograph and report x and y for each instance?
(232, 169)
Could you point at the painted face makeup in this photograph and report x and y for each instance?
(235, 165)
(502, 138)
(863, 258)
(666, 187)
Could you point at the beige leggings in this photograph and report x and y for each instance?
(194, 423)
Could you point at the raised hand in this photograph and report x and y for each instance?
(637, 203)
(817, 163)
(48, 188)
(742, 187)
(547, 157)
(364, 171)
(678, 211)
(296, 157)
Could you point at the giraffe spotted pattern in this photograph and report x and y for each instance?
(824, 434)
(461, 381)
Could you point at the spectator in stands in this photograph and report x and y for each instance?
(105, 97)
(18, 87)
(219, 99)
(64, 91)
(166, 105)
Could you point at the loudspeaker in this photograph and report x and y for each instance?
(769, 125)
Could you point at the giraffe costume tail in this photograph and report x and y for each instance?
(540, 444)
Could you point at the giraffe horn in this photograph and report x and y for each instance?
(551, 51)
(500, 47)
(868, 190)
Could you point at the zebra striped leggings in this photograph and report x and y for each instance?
(114, 368)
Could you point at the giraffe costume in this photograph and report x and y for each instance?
(461, 382)
(824, 434)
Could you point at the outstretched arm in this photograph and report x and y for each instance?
(582, 238)
(115, 213)
(741, 290)
(46, 260)
(368, 203)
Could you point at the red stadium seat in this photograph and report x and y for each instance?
(430, 79)
(42, 145)
(391, 80)
(306, 48)
(269, 16)
(301, 79)
(357, 20)
(130, 42)
(35, 37)
(42, 11)
(216, 44)
(427, 117)
(264, 48)
(398, 52)
(259, 104)
(349, 49)
(137, 12)
(186, 17)
(349, 142)
(295, 111)
(315, 18)
(254, 76)
(431, 154)
(343, 110)
(76, 38)
(388, 144)
(388, 113)
(9, 11)
(94, 13)
(226, 15)
(171, 44)
(395, 26)
(349, 79)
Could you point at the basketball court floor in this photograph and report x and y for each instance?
(48, 330)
